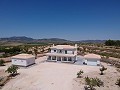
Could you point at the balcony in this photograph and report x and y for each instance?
(62, 52)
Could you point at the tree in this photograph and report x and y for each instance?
(118, 43)
(49, 49)
(2, 62)
(102, 69)
(12, 70)
(42, 50)
(25, 49)
(112, 43)
(79, 73)
(107, 56)
(36, 52)
(92, 82)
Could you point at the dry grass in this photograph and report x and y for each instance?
(109, 78)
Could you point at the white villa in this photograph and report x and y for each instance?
(62, 53)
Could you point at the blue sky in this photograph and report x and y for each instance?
(68, 19)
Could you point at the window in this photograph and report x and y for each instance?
(69, 59)
(60, 51)
(73, 52)
(54, 50)
(58, 58)
(65, 51)
(54, 58)
(49, 57)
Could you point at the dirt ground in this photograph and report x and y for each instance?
(109, 78)
(47, 76)
(57, 76)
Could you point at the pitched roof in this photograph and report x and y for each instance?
(93, 56)
(23, 56)
(64, 47)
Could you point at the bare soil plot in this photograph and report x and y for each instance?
(48, 76)
(109, 78)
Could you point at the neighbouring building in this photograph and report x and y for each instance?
(62, 53)
(92, 59)
(23, 59)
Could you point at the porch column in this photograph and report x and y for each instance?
(61, 58)
(51, 58)
(76, 57)
(56, 58)
(67, 58)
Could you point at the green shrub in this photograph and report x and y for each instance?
(118, 82)
(2, 62)
(12, 70)
(92, 82)
(102, 69)
(79, 73)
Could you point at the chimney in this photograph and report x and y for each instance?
(76, 45)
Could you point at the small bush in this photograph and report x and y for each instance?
(2, 62)
(12, 70)
(92, 82)
(79, 73)
(102, 69)
(118, 82)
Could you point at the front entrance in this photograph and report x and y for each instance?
(58, 58)
(64, 59)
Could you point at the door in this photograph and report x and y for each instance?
(58, 58)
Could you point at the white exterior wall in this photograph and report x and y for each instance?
(52, 51)
(63, 51)
(30, 61)
(98, 62)
(19, 62)
(70, 51)
(93, 62)
(75, 52)
(23, 62)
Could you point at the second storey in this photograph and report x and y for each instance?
(64, 49)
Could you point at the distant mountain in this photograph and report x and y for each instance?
(54, 40)
(17, 39)
(23, 39)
